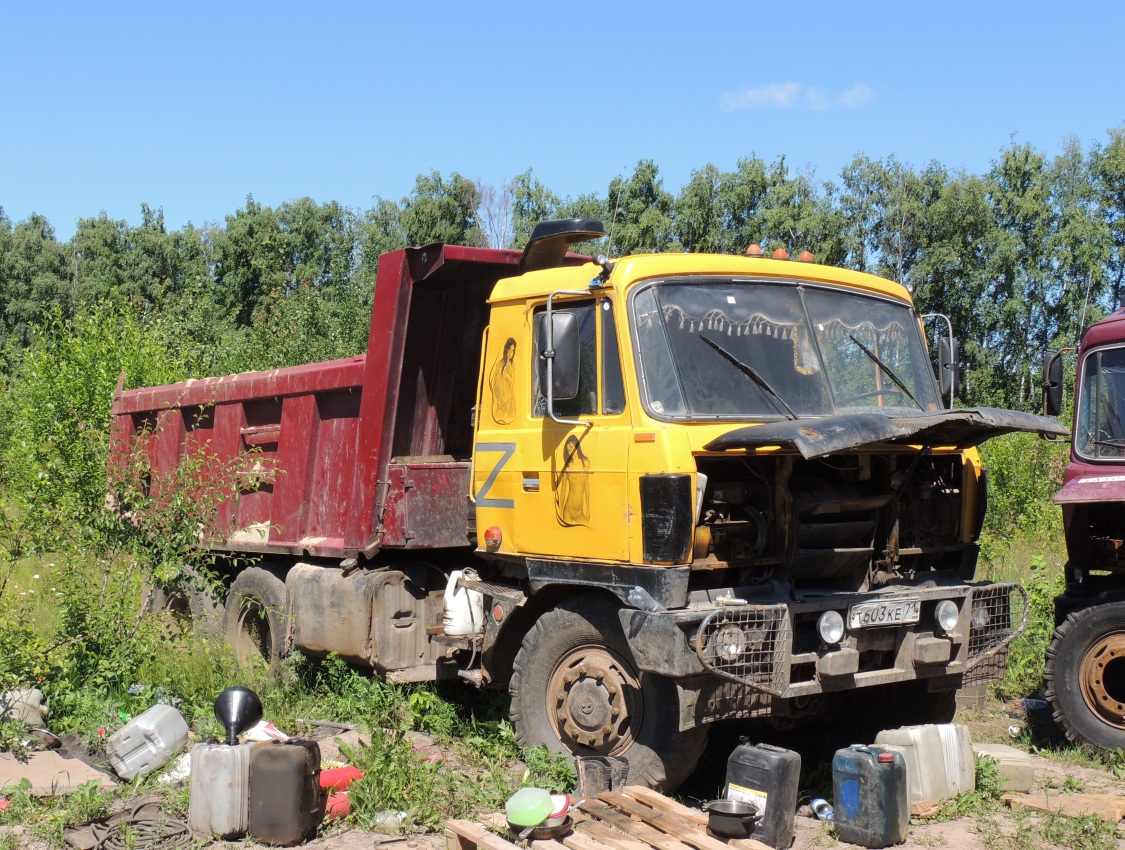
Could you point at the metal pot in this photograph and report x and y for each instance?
(544, 830)
(731, 818)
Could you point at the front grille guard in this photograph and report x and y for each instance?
(990, 623)
(748, 644)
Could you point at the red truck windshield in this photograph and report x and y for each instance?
(730, 349)
(1099, 433)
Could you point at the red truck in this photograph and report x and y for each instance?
(1085, 671)
(641, 495)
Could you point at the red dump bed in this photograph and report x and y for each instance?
(363, 453)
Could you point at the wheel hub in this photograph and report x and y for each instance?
(1103, 679)
(592, 700)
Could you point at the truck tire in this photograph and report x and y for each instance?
(256, 621)
(576, 689)
(187, 602)
(1085, 675)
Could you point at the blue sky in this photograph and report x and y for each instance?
(192, 106)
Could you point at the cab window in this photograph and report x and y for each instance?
(595, 327)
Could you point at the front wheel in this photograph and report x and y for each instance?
(1085, 676)
(576, 689)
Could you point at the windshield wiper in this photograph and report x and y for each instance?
(1113, 443)
(886, 369)
(761, 383)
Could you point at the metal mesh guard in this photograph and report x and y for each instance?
(748, 644)
(990, 629)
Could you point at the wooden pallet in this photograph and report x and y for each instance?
(635, 819)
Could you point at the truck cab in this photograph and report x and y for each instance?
(1085, 670)
(746, 463)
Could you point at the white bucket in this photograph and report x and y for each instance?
(464, 609)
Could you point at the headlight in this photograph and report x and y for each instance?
(946, 615)
(729, 642)
(979, 617)
(830, 627)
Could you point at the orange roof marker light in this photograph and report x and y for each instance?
(754, 250)
(781, 254)
(805, 257)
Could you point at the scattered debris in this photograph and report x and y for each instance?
(140, 826)
(1017, 771)
(339, 778)
(147, 742)
(178, 771)
(264, 731)
(1109, 807)
(25, 704)
(924, 809)
(328, 724)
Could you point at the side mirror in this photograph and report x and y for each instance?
(949, 359)
(559, 355)
(1052, 383)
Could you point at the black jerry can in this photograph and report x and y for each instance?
(285, 806)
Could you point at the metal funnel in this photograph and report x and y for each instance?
(238, 709)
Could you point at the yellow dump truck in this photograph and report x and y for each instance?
(642, 495)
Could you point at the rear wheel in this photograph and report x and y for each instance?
(256, 621)
(191, 600)
(1085, 675)
(576, 689)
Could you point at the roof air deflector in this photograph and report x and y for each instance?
(548, 243)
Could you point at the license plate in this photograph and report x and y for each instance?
(864, 615)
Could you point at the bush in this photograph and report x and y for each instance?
(1024, 473)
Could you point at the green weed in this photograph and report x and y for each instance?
(983, 800)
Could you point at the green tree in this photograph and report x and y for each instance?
(640, 212)
(741, 195)
(532, 202)
(1020, 269)
(34, 277)
(1108, 170)
(440, 210)
(1080, 247)
(697, 213)
(798, 215)
(950, 275)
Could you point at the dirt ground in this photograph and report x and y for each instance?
(988, 723)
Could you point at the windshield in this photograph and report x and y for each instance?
(1100, 434)
(723, 348)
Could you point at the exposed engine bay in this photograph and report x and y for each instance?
(850, 522)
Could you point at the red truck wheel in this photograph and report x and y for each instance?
(576, 689)
(256, 619)
(1085, 675)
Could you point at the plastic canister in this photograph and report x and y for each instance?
(284, 792)
(871, 804)
(464, 609)
(220, 789)
(147, 741)
(768, 777)
(939, 759)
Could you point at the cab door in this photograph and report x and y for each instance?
(581, 509)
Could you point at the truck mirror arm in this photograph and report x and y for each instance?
(548, 355)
